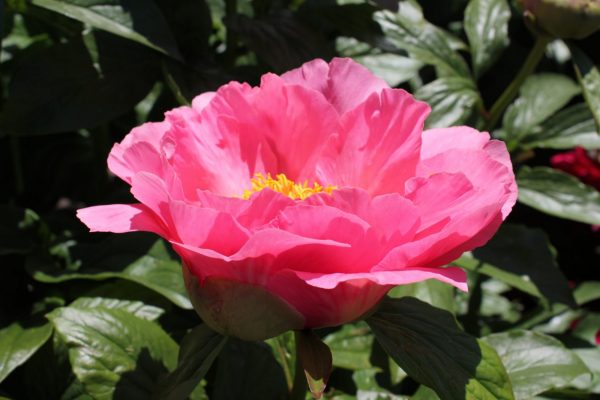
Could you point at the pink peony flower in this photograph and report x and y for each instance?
(301, 202)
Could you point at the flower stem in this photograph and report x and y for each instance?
(284, 362)
(300, 385)
(533, 59)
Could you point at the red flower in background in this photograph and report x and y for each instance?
(579, 163)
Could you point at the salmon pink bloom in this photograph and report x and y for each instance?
(299, 203)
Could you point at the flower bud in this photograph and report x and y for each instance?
(565, 19)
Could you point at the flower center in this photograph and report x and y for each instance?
(283, 185)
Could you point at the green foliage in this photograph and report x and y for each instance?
(428, 344)
(536, 362)
(557, 193)
(107, 316)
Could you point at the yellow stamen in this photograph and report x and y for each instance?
(283, 185)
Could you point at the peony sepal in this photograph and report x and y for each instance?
(241, 310)
(313, 357)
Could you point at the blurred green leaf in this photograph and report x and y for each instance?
(191, 24)
(540, 97)
(16, 236)
(589, 78)
(408, 30)
(137, 308)
(486, 26)
(591, 358)
(280, 40)
(392, 68)
(573, 126)
(535, 362)
(428, 344)
(368, 388)
(434, 292)
(18, 342)
(588, 327)
(352, 19)
(557, 193)
(113, 353)
(121, 257)
(57, 89)
(198, 350)
(351, 346)
(522, 258)
(251, 365)
(452, 101)
(587, 292)
(424, 393)
(131, 19)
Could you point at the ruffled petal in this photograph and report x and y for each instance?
(465, 150)
(344, 83)
(139, 151)
(120, 218)
(379, 144)
(207, 228)
(451, 275)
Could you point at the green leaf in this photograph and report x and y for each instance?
(114, 353)
(279, 39)
(524, 259)
(587, 292)
(535, 362)
(137, 308)
(591, 358)
(131, 19)
(16, 236)
(121, 257)
(434, 292)
(424, 393)
(256, 373)
(588, 327)
(540, 97)
(198, 349)
(392, 68)
(589, 79)
(486, 26)
(556, 193)
(368, 388)
(573, 126)
(408, 30)
(18, 342)
(190, 22)
(428, 344)
(351, 346)
(60, 86)
(452, 100)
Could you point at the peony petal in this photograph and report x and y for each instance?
(139, 151)
(200, 102)
(451, 275)
(393, 218)
(328, 223)
(462, 149)
(379, 144)
(120, 218)
(229, 138)
(300, 115)
(344, 83)
(207, 228)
